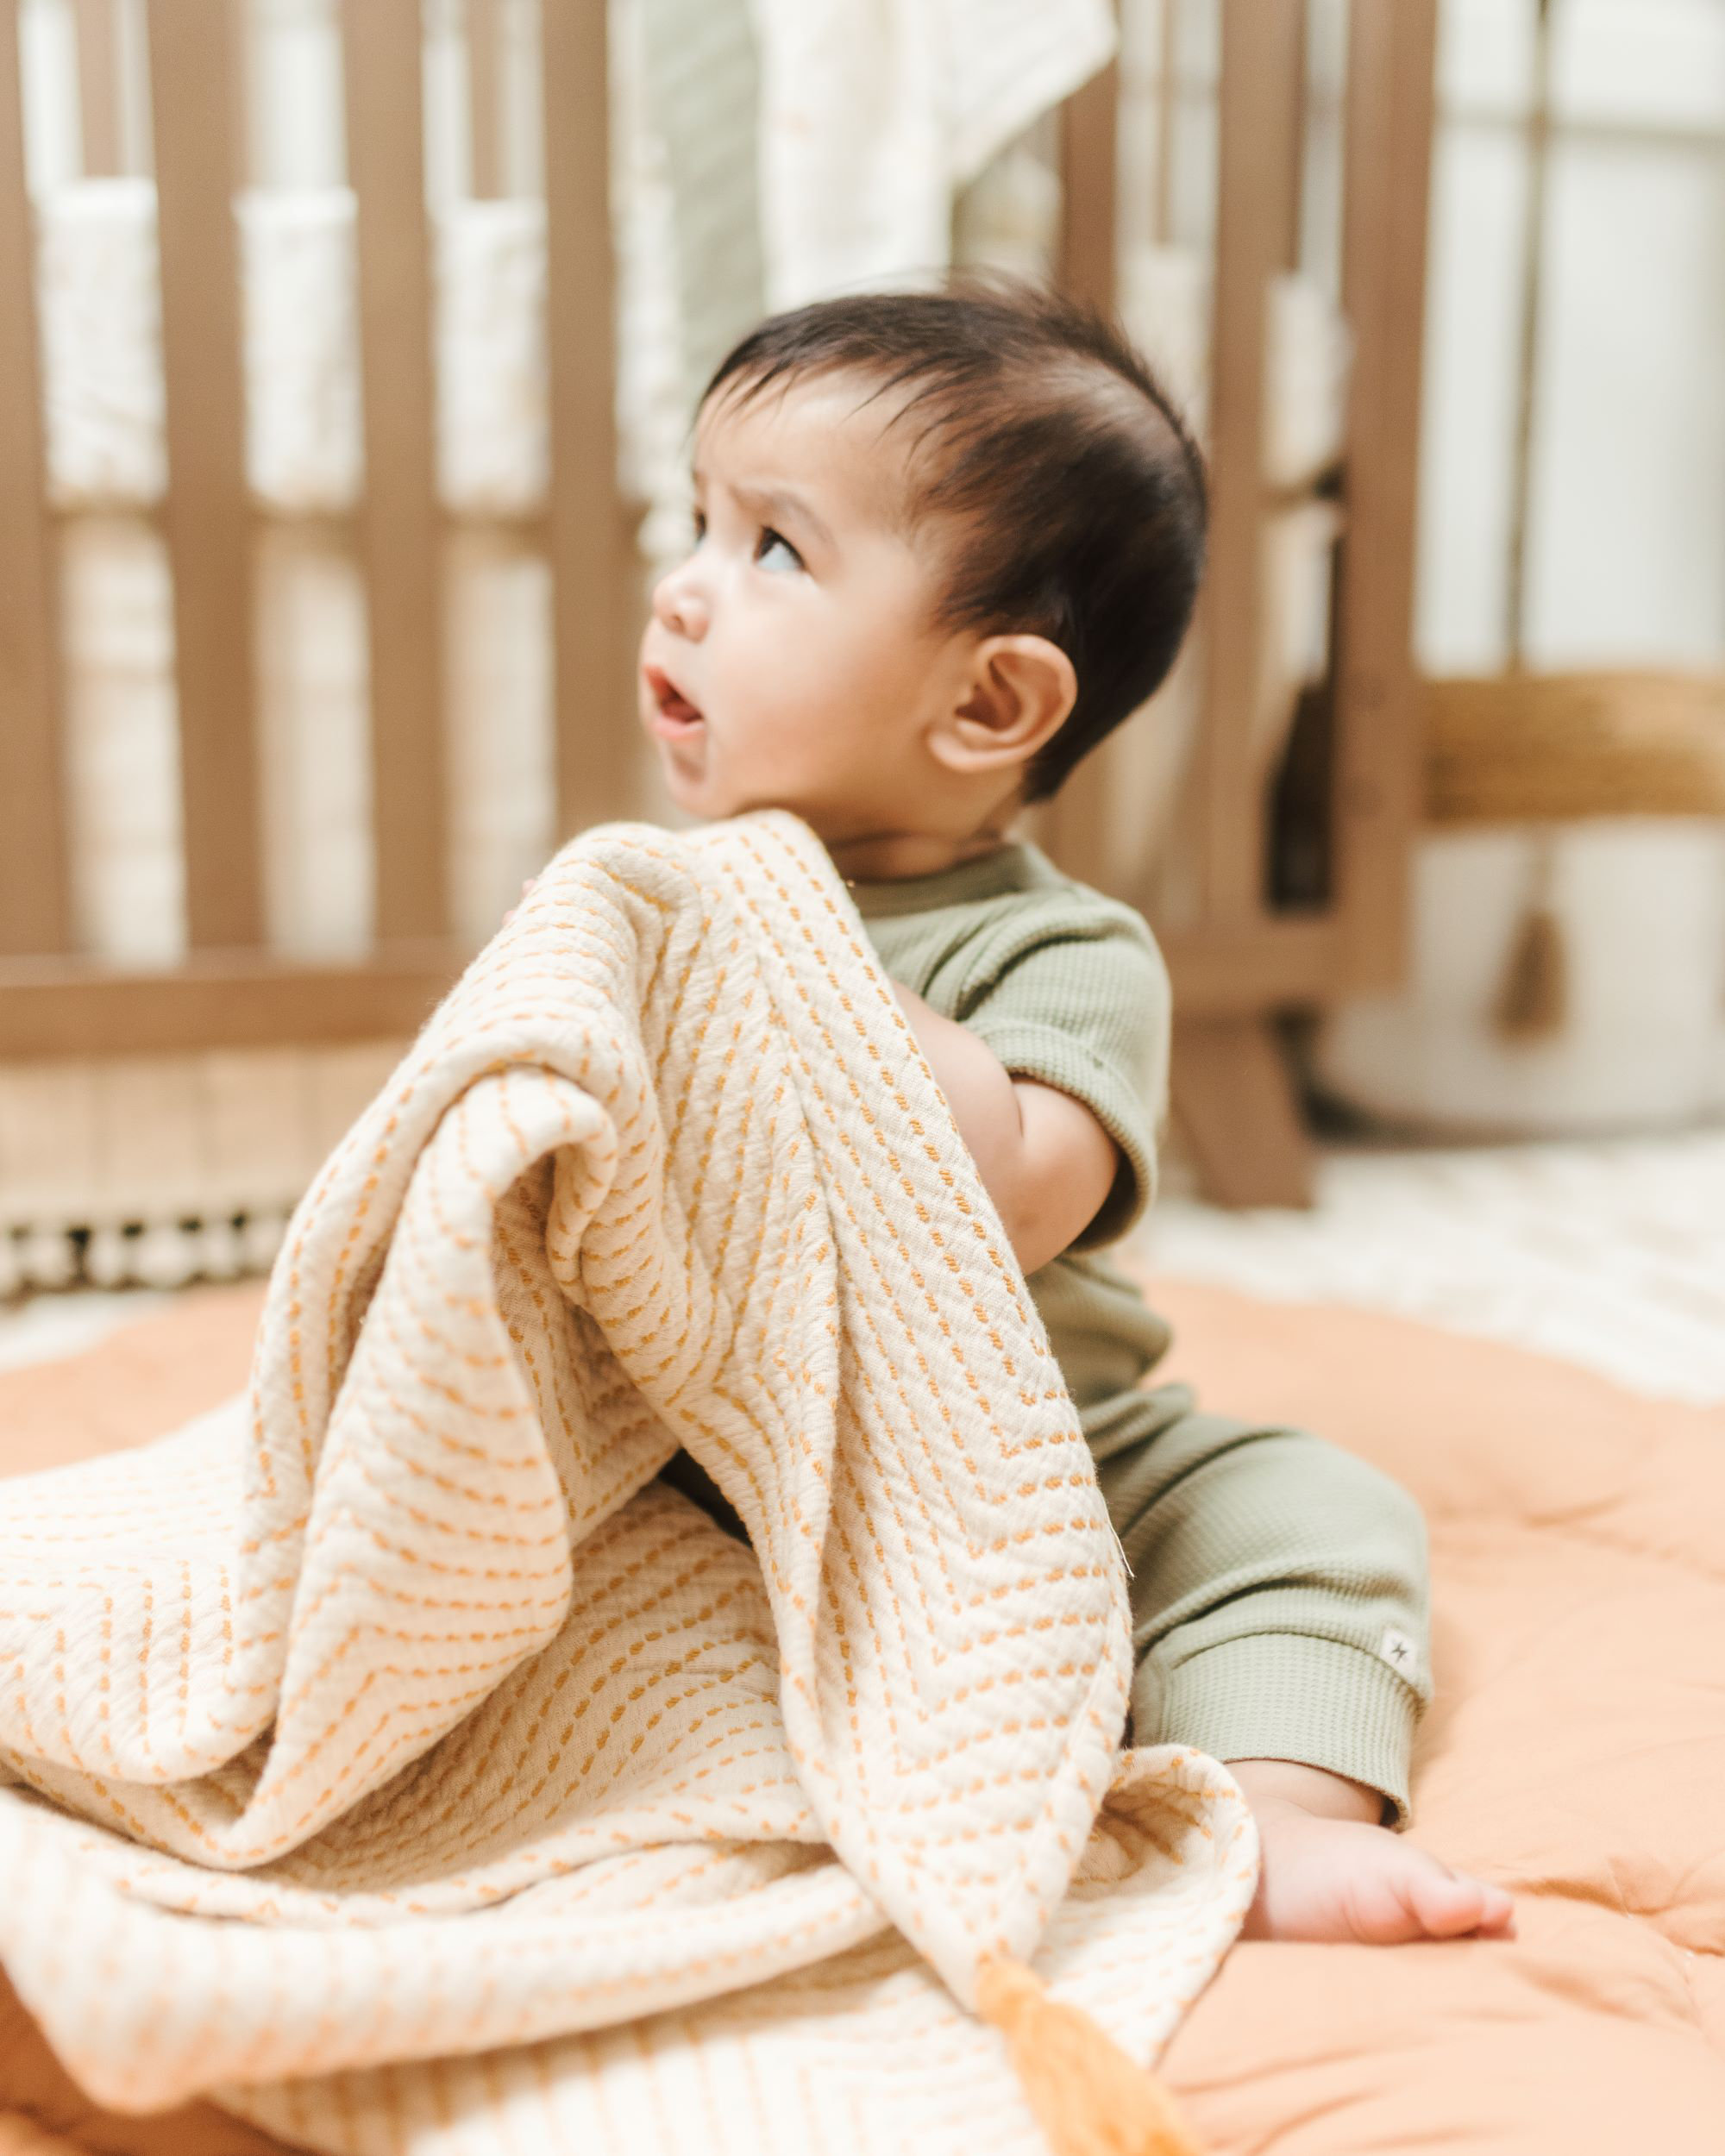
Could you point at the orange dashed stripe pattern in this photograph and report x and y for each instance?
(408, 1662)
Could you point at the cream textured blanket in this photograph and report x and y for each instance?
(397, 1761)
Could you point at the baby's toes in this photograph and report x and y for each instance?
(1498, 1915)
(1445, 1903)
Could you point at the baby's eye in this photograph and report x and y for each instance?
(698, 524)
(773, 550)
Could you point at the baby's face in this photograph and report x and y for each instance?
(791, 660)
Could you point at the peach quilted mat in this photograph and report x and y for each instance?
(1577, 1750)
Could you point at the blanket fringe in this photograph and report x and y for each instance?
(1087, 2097)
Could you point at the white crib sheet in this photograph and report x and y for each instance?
(102, 348)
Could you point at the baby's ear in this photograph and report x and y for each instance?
(1017, 693)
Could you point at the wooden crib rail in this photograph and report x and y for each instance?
(231, 989)
(194, 68)
(595, 572)
(1376, 788)
(36, 911)
(1239, 962)
(401, 521)
(1242, 959)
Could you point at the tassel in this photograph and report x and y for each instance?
(1533, 1003)
(1087, 2097)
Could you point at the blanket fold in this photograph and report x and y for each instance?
(485, 1736)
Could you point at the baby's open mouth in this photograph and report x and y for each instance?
(676, 716)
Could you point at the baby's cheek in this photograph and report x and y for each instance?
(778, 738)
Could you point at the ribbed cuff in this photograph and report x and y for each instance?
(1285, 1696)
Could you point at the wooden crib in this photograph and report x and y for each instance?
(1238, 959)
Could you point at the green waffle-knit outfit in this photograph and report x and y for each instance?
(1278, 1585)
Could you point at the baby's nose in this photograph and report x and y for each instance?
(680, 605)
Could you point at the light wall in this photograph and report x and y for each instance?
(1626, 524)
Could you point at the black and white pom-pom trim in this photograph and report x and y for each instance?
(139, 1253)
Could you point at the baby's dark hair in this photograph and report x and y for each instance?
(1046, 436)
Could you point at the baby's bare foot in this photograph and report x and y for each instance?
(1329, 1877)
(1339, 1879)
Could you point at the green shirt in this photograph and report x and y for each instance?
(1066, 987)
(1277, 1585)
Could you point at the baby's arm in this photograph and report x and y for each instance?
(1044, 1158)
(1329, 1871)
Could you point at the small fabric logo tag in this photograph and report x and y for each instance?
(1399, 1651)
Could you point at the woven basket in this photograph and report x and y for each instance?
(1568, 917)
(1556, 747)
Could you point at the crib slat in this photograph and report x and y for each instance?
(400, 521)
(1263, 51)
(1167, 116)
(99, 85)
(1296, 92)
(1089, 187)
(34, 913)
(594, 583)
(194, 97)
(1376, 795)
(485, 95)
(1077, 819)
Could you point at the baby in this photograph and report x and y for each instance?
(944, 544)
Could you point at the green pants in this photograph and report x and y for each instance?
(1277, 1588)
